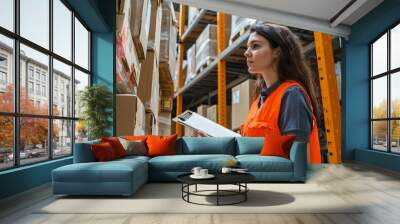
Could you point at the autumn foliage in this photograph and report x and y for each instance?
(33, 130)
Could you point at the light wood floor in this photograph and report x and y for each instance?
(378, 188)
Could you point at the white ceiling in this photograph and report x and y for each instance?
(315, 15)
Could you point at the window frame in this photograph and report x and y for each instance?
(388, 74)
(16, 114)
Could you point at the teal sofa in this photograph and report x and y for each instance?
(125, 176)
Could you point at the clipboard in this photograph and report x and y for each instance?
(199, 123)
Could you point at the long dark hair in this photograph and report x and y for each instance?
(292, 64)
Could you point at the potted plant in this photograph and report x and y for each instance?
(96, 104)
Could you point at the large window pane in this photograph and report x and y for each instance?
(6, 142)
(7, 14)
(379, 97)
(379, 56)
(34, 72)
(81, 45)
(395, 136)
(35, 21)
(62, 138)
(395, 95)
(81, 81)
(33, 140)
(62, 89)
(6, 74)
(81, 131)
(62, 29)
(379, 135)
(395, 47)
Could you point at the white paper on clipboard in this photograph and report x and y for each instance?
(203, 124)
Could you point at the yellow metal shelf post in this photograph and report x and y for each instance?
(329, 93)
(179, 100)
(221, 70)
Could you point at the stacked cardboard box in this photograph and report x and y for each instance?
(126, 105)
(147, 79)
(202, 110)
(206, 43)
(127, 61)
(206, 46)
(191, 63)
(239, 23)
(155, 28)
(212, 114)
(149, 122)
(242, 97)
(164, 123)
(140, 25)
(140, 118)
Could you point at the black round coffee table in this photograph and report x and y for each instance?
(238, 179)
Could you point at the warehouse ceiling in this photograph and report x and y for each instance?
(328, 16)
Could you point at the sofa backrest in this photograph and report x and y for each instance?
(249, 145)
(83, 152)
(206, 145)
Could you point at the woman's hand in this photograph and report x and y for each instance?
(202, 134)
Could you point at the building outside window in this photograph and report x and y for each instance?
(385, 94)
(69, 37)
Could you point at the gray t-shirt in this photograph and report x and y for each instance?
(295, 115)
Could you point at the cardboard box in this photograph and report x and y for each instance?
(146, 80)
(155, 91)
(191, 63)
(242, 98)
(212, 113)
(149, 122)
(140, 25)
(126, 106)
(140, 118)
(206, 53)
(202, 110)
(155, 28)
(239, 23)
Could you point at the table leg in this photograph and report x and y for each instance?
(217, 194)
(196, 188)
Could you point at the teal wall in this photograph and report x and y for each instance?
(99, 16)
(356, 100)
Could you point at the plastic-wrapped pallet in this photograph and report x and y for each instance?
(206, 46)
(191, 59)
(238, 23)
(193, 12)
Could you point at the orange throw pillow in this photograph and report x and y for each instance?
(116, 145)
(277, 145)
(161, 145)
(103, 152)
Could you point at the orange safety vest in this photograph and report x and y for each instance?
(263, 121)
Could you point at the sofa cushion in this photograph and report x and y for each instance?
(185, 163)
(134, 147)
(249, 145)
(112, 171)
(103, 152)
(257, 163)
(161, 145)
(205, 145)
(116, 145)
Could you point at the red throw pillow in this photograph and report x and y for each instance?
(161, 145)
(116, 145)
(277, 145)
(103, 151)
